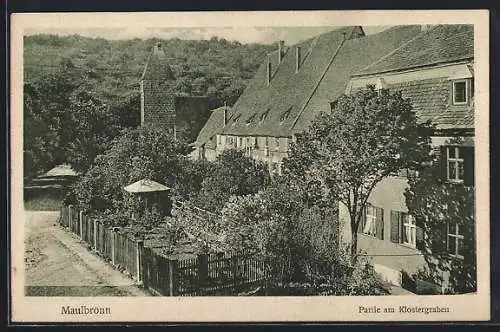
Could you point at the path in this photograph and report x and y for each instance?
(58, 264)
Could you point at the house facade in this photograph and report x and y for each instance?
(435, 71)
(293, 85)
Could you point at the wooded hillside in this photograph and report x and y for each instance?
(80, 93)
(214, 67)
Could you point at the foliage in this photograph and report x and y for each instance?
(66, 122)
(215, 67)
(299, 242)
(146, 152)
(434, 203)
(367, 137)
(233, 174)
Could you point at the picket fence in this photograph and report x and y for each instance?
(203, 275)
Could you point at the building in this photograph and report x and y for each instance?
(435, 70)
(183, 116)
(293, 85)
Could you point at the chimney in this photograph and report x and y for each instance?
(281, 50)
(425, 27)
(297, 59)
(158, 50)
(269, 72)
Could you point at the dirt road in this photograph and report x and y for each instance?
(58, 264)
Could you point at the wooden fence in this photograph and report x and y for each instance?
(203, 275)
(121, 250)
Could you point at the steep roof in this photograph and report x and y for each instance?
(157, 67)
(431, 100)
(292, 99)
(440, 44)
(214, 124)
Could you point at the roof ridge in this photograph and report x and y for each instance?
(146, 66)
(420, 35)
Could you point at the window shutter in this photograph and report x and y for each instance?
(443, 162)
(439, 238)
(420, 238)
(379, 226)
(395, 226)
(468, 155)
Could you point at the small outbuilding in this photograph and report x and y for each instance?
(151, 194)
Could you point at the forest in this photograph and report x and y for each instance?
(80, 92)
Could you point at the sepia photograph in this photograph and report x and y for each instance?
(262, 164)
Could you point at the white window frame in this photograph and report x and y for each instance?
(466, 92)
(456, 237)
(410, 230)
(457, 160)
(370, 222)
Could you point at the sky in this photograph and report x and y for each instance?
(264, 35)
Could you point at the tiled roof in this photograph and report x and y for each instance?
(440, 44)
(213, 125)
(157, 68)
(293, 99)
(431, 100)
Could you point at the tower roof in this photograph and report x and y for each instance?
(157, 67)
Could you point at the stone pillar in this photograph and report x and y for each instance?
(172, 277)
(140, 245)
(81, 225)
(70, 219)
(95, 234)
(113, 245)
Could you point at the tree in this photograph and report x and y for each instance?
(367, 137)
(146, 152)
(233, 174)
(438, 207)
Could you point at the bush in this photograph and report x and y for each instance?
(233, 174)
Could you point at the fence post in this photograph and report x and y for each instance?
(113, 244)
(202, 272)
(70, 217)
(139, 246)
(95, 234)
(172, 277)
(81, 225)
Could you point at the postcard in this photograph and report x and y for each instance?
(285, 166)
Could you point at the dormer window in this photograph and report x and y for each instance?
(460, 92)
(263, 116)
(462, 86)
(285, 115)
(236, 119)
(251, 119)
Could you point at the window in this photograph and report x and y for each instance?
(460, 92)
(409, 231)
(404, 230)
(266, 146)
(277, 142)
(372, 222)
(455, 164)
(454, 243)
